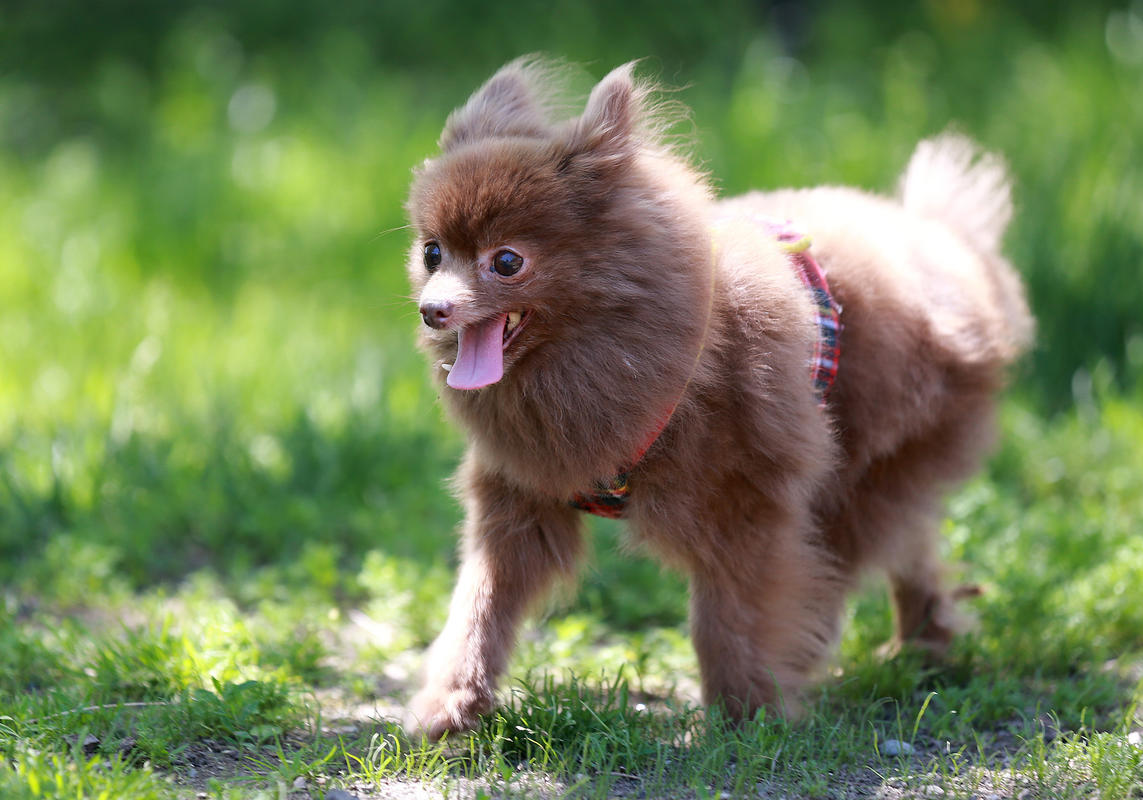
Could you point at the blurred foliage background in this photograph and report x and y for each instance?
(206, 350)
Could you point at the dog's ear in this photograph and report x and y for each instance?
(607, 133)
(508, 104)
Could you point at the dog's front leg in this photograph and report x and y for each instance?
(764, 612)
(514, 545)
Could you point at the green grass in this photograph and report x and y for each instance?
(225, 529)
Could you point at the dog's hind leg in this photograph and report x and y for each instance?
(890, 521)
(926, 614)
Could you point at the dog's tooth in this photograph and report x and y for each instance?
(513, 320)
(446, 367)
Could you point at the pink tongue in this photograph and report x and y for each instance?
(479, 355)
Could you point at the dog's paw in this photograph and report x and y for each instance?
(928, 650)
(435, 712)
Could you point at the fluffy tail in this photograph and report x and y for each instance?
(950, 179)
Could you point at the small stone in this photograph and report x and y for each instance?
(90, 743)
(299, 783)
(1135, 738)
(339, 794)
(933, 791)
(895, 747)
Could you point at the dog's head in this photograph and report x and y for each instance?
(563, 268)
(527, 226)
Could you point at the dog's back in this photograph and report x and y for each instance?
(932, 312)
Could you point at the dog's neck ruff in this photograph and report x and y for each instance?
(609, 496)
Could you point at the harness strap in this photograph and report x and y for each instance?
(827, 311)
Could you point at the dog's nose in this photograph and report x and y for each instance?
(436, 313)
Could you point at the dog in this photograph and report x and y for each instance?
(774, 390)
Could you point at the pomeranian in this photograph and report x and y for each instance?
(774, 390)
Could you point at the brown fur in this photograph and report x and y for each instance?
(772, 505)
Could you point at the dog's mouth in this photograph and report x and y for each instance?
(480, 350)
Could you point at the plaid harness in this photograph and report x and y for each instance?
(609, 496)
(827, 312)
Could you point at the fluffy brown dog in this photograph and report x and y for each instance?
(591, 311)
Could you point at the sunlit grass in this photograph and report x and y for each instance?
(235, 658)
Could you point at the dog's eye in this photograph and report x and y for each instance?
(507, 263)
(432, 256)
